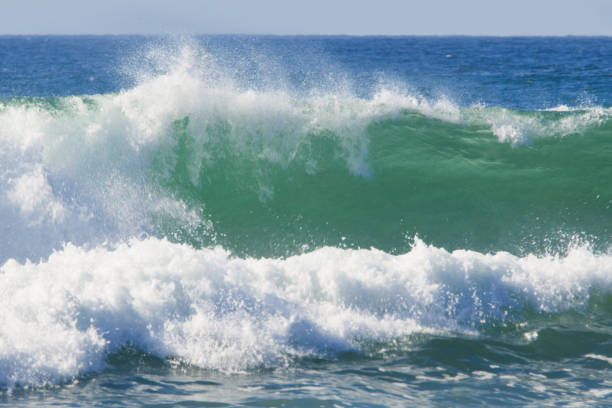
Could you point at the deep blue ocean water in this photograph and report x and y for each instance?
(305, 221)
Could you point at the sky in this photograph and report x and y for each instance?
(286, 17)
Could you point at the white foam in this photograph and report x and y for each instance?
(59, 318)
(561, 108)
(33, 195)
(520, 128)
(599, 357)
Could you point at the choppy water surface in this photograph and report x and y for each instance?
(305, 221)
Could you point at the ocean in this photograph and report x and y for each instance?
(240, 220)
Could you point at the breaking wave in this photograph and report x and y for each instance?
(61, 317)
(224, 226)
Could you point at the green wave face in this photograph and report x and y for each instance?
(453, 184)
(268, 173)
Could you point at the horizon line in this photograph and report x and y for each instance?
(299, 35)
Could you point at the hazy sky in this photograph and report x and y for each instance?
(438, 17)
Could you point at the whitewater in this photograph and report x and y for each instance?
(218, 223)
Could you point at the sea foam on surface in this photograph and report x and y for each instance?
(59, 318)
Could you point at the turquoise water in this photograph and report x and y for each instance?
(305, 221)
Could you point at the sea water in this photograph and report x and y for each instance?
(305, 221)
